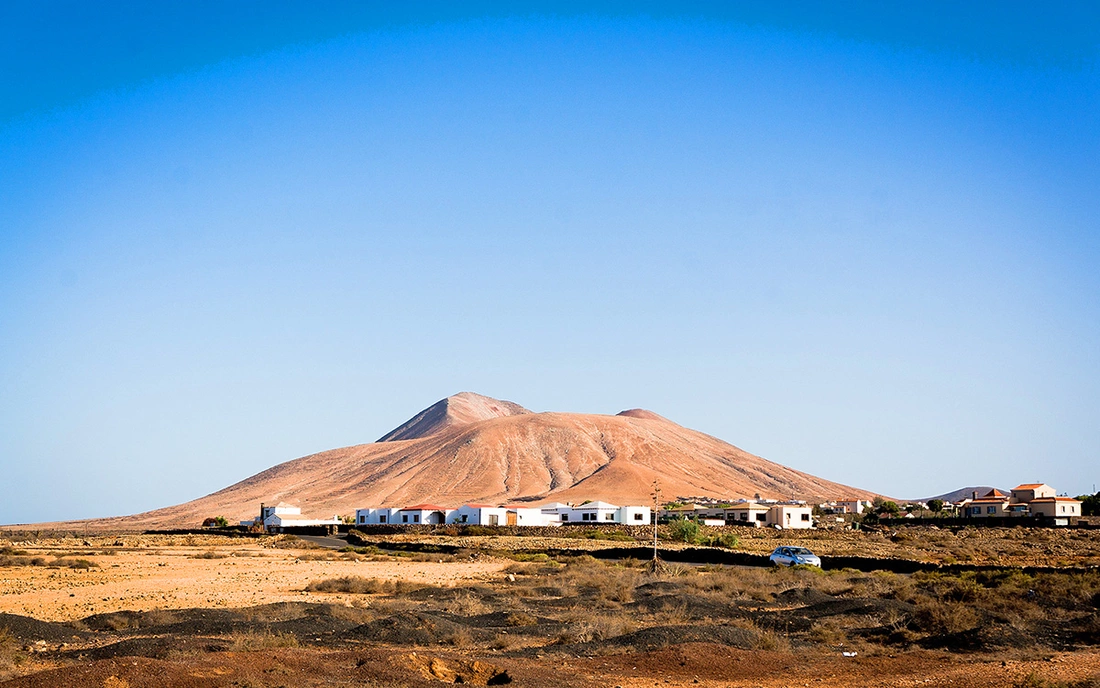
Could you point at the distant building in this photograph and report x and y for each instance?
(1024, 494)
(1055, 507)
(284, 515)
(991, 505)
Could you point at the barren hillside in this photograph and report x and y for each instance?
(473, 448)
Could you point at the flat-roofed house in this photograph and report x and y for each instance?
(479, 515)
(376, 516)
(794, 516)
(747, 514)
(594, 512)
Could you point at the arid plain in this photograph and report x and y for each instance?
(418, 610)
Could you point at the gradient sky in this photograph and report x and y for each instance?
(861, 242)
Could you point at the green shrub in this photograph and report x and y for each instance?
(683, 530)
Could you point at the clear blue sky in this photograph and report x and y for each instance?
(861, 242)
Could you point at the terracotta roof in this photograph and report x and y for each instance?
(1055, 499)
(1029, 486)
(990, 500)
(748, 505)
(994, 493)
(424, 507)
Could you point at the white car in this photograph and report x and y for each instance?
(789, 556)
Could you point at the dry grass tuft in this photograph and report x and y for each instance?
(256, 642)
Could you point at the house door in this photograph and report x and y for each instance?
(511, 518)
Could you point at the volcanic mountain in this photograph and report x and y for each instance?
(471, 448)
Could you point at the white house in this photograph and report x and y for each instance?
(635, 515)
(479, 515)
(376, 516)
(531, 516)
(790, 516)
(747, 513)
(591, 512)
(284, 515)
(850, 505)
(422, 513)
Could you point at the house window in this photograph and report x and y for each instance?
(609, 517)
(637, 517)
(381, 519)
(494, 520)
(1063, 510)
(362, 519)
(744, 516)
(463, 518)
(404, 518)
(416, 518)
(805, 517)
(991, 510)
(761, 517)
(565, 517)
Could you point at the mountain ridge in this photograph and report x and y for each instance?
(472, 448)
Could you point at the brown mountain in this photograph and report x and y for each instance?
(471, 448)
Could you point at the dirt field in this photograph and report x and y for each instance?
(211, 611)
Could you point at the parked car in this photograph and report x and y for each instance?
(789, 556)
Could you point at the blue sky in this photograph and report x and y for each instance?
(862, 242)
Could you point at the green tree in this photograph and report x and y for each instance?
(684, 530)
(221, 522)
(935, 505)
(890, 508)
(1090, 504)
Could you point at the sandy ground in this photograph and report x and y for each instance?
(160, 574)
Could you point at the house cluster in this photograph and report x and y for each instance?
(848, 505)
(756, 513)
(1029, 499)
(513, 515)
(284, 515)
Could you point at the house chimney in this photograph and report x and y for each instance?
(974, 494)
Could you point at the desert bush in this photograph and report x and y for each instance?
(937, 616)
(208, 554)
(503, 641)
(9, 649)
(259, 641)
(589, 628)
(521, 619)
(353, 584)
(466, 604)
(74, 564)
(461, 637)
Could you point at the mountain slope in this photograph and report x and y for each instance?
(470, 448)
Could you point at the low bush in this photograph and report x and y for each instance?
(683, 530)
(257, 642)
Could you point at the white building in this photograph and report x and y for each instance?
(479, 515)
(422, 513)
(790, 516)
(378, 516)
(284, 515)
